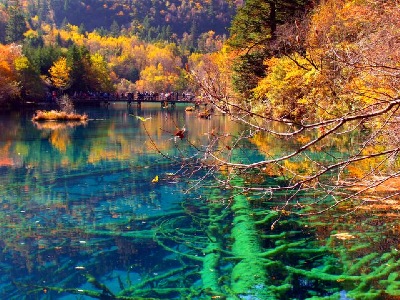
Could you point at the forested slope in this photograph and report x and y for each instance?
(150, 19)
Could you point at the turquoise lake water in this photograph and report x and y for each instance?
(119, 208)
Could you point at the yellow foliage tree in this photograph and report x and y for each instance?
(332, 84)
(348, 63)
(212, 74)
(154, 78)
(125, 57)
(100, 73)
(9, 85)
(284, 87)
(60, 74)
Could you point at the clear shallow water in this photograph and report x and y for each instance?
(95, 211)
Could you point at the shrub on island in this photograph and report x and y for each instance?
(55, 115)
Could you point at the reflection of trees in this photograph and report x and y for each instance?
(325, 119)
(59, 132)
(326, 79)
(58, 125)
(81, 229)
(9, 133)
(6, 157)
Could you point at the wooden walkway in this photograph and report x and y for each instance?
(164, 100)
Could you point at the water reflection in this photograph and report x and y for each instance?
(79, 199)
(82, 217)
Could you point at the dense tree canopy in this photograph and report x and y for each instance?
(16, 24)
(253, 30)
(330, 77)
(150, 20)
(134, 46)
(9, 86)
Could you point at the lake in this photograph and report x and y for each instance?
(122, 208)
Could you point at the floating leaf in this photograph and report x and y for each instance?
(143, 119)
(180, 133)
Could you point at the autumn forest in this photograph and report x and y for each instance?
(288, 189)
(285, 58)
(108, 46)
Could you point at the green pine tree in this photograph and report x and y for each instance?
(16, 25)
(252, 30)
(79, 59)
(115, 29)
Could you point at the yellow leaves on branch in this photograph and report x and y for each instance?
(359, 36)
(60, 74)
(350, 63)
(213, 73)
(154, 78)
(285, 86)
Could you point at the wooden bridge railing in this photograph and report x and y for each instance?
(138, 97)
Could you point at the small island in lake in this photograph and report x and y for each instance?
(55, 115)
(66, 112)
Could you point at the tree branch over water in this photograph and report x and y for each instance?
(327, 130)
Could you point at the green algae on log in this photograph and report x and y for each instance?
(249, 275)
(230, 252)
(210, 274)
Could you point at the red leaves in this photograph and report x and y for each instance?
(180, 133)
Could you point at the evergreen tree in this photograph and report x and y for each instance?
(168, 33)
(82, 29)
(16, 25)
(193, 34)
(248, 70)
(252, 29)
(66, 5)
(2, 32)
(58, 39)
(210, 9)
(255, 23)
(115, 29)
(146, 28)
(101, 31)
(41, 58)
(79, 60)
(35, 41)
(64, 23)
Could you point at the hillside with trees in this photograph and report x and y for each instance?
(290, 59)
(105, 46)
(316, 85)
(326, 76)
(150, 20)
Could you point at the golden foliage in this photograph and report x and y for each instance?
(54, 115)
(213, 75)
(99, 72)
(350, 63)
(60, 74)
(8, 71)
(285, 86)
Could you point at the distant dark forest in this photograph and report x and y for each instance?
(149, 19)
